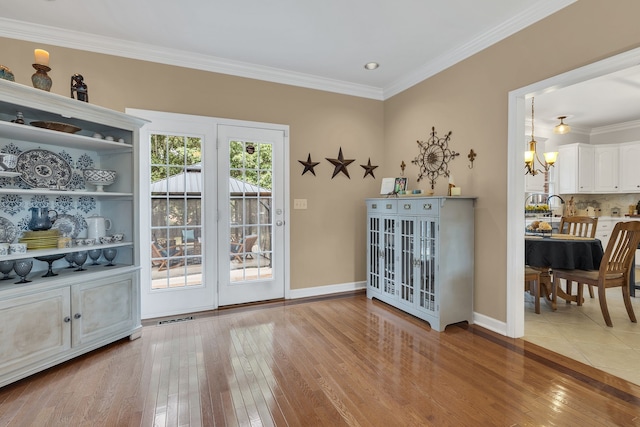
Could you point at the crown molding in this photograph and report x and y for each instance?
(20, 30)
(111, 46)
(519, 22)
(632, 125)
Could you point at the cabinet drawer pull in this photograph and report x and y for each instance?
(407, 206)
(67, 319)
(77, 316)
(374, 206)
(426, 206)
(389, 206)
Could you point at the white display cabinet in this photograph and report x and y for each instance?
(52, 319)
(420, 256)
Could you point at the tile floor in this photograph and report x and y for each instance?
(581, 334)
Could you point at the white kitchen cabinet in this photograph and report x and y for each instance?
(629, 161)
(420, 254)
(53, 319)
(575, 168)
(604, 229)
(605, 167)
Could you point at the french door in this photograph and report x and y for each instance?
(251, 228)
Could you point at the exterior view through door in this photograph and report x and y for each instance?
(251, 171)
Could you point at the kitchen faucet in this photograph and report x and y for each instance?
(561, 201)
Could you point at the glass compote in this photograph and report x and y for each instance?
(5, 268)
(69, 258)
(80, 258)
(23, 267)
(94, 254)
(50, 259)
(109, 255)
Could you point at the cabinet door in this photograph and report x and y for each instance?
(388, 260)
(409, 255)
(374, 254)
(427, 266)
(585, 169)
(567, 168)
(34, 328)
(103, 308)
(606, 169)
(629, 161)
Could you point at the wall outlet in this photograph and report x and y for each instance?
(299, 203)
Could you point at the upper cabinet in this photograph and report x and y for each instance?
(575, 168)
(608, 168)
(629, 161)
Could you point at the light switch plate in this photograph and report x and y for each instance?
(299, 203)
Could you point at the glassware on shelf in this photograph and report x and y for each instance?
(23, 267)
(69, 258)
(94, 254)
(110, 254)
(5, 268)
(50, 259)
(80, 258)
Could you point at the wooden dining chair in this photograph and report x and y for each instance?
(614, 271)
(162, 257)
(532, 284)
(581, 226)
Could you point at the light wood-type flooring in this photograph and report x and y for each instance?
(334, 361)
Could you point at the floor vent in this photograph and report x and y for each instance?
(180, 319)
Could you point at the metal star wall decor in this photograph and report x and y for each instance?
(368, 169)
(309, 165)
(341, 164)
(434, 157)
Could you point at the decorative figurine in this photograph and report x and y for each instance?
(80, 87)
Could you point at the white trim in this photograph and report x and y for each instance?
(20, 30)
(490, 323)
(326, 290)
(515, 178)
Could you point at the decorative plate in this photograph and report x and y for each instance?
(8, 231)
(60, 127)
(43, 169)
(67, 225)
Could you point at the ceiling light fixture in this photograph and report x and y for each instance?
(531, 155)
(371, 65)
(562, 128)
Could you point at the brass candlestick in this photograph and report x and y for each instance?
(40, 79)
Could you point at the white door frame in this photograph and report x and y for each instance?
(210, 206)
(282, 268)
(515, 186)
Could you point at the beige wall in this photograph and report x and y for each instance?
(471, 99)
(328, 239)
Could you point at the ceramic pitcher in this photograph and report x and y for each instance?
(40, 219)
(97, 226)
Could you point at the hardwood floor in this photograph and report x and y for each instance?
(342, 360)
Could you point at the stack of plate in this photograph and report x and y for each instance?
(44, 239)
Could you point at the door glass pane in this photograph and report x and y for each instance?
(250, 203)
(176, 211)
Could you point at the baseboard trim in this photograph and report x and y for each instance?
(490, 323)
(325, 290)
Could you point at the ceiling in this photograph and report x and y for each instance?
(317, 44)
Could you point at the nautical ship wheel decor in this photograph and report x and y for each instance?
(434, 157)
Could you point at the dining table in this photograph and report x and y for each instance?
(562, 251)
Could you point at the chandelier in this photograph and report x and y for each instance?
(531, 155)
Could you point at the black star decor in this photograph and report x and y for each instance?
(341, 164)
(309, 165)
(368, 169)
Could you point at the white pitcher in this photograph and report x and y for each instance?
(97, 226)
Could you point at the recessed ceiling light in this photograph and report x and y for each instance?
(371, 65)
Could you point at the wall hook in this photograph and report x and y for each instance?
(472, 156)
